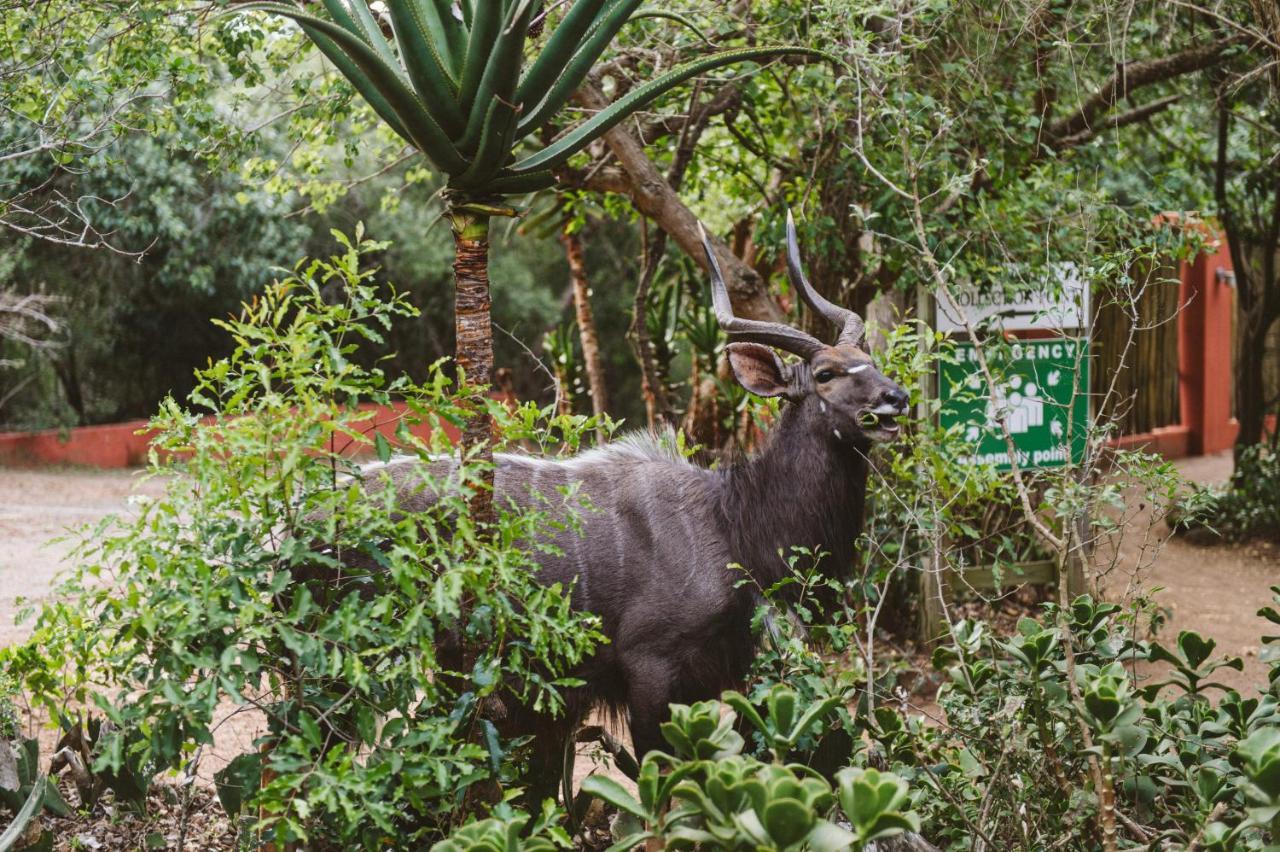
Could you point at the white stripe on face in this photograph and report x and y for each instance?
(858, 369)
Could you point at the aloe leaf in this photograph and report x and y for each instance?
(509, 184)
(575, 70)
(361, 83)
(18, 827)
(422, 130)
(486, 24)
(494, 146)
(558, 152)
(614, 794)
(367, 27)
(673, 16)
(445, 32)
(454, 30)
(557, 52)
(500, 74)
(421, 55)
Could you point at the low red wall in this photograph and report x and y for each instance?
(118, 445)
(109, 446)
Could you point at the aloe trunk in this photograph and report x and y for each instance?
(473, 346)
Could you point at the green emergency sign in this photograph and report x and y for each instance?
(1042, 390)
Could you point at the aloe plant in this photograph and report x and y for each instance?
(452, 80)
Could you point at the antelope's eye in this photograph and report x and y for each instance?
(825, 375)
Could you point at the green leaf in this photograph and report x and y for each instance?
(787, 821)
(557, 153)
(829, 837)
(30, 808)
(1195, 647)
(236, 782)
(557, 52)
(486, 22)
(509, 184)
(613, 793)
(382, 446)
(421, 127)
(574, 69)
(362, 25)
(428, 70)
(497, 85)
(494, 146)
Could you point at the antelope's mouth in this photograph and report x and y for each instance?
(881, 422)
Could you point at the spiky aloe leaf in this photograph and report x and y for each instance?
(13, 833)
(558, 51)
(501, 74)
(422, 129)
(446, 33)
(426, 66)
(361, 83)
(354, 15)
(454, 27)
(494, 146)
(486, 24)
(557, 153)
(575, 71)
(509, 184)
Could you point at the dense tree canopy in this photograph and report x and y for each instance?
(986, 137)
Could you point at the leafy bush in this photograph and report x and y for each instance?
(708, 794)
(375, 641)
(1248, 507)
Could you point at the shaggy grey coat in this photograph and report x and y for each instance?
(655, 555)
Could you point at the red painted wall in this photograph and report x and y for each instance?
(1204, 351)
(118, 445)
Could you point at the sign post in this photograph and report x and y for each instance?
(1042, 394)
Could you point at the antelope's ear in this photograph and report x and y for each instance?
(759, 369)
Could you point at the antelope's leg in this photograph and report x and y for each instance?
(649, 692)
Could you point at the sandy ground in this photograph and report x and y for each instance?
(1214, 590)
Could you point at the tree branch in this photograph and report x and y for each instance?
(1117, 120)
(653, 196)
(1134, 75)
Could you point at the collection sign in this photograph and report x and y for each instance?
(1043, 392)
(1030, 309)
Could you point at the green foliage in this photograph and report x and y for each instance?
(274, 576)
(454, 86)
(508, 831)
(1248, 507)
(1017, 737)
(710, 795)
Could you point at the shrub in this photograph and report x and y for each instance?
(1249, 507)
(220, 597)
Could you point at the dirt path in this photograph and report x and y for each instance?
(39, 512)
(1215, 590)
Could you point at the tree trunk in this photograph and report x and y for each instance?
(1250, 389)
(573, 251)
(474, 344)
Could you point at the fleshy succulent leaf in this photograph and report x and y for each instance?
(559, 49)
(558, 152)
(425, 63)
(576, 69)
(423, 130)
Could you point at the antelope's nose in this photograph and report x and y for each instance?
(895, 397)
